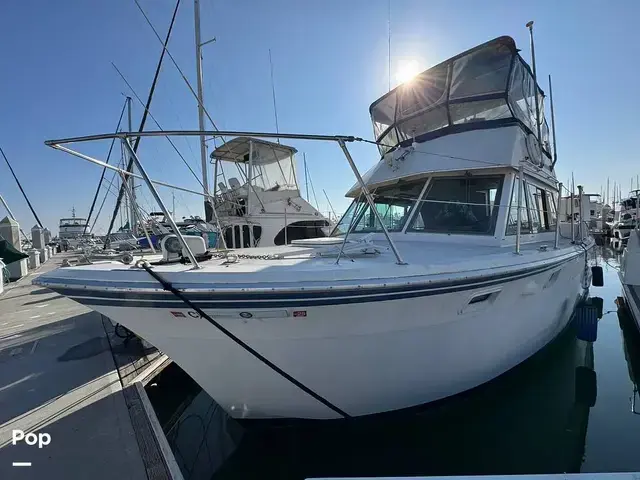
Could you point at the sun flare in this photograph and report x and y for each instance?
(407, 71)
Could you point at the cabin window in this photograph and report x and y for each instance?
(238, 236)
(543, 203)
(301, 230)
(246, 237)
(237, 243)
(393, 205)
(512, 220)
(257, 233)
(550, 210)
(459, 205)
(540, 211)
(232, 236)
(534, 213)
(228, 237)
(540, 204)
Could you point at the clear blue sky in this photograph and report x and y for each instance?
(330, 63)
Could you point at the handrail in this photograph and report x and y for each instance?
(197, 133)
(124, 136)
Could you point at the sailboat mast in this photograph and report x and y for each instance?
(201, 120)
(132, 181)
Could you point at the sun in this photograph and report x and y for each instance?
(407, 71)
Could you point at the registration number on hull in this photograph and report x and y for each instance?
(245, 315)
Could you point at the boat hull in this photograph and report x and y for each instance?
(632, 299)
(364, 357)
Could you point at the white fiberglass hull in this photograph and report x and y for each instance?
(630, 275)
(630, 293)
(365, 357)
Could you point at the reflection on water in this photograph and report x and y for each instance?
(631, 339)
(567, 409)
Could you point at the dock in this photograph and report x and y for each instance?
(58, 377)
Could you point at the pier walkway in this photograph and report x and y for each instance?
(57, 377)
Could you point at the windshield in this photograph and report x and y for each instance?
(459, 205)
(393, 205)
(280, 175)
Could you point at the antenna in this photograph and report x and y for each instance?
(535, 82)
(389, 42)
(573, 184)
(330, 206)
(273, 94)
(306, 176)
(553, 127)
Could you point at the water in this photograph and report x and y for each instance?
(567, 409)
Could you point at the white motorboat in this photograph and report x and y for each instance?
(448, 269)
(72, 231)
(622, 228)
(266, 209)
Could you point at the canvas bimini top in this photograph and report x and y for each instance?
(485, 87)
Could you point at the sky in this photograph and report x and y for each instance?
(330, 62)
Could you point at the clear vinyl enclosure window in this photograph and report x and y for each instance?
(490, 83)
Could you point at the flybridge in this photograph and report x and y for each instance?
(485, 87)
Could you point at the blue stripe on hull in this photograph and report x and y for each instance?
(215, 300)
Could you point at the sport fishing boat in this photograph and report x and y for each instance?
(448, 269)
(266, 209)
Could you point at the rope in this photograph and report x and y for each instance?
(158, 125)
(170, 288)
(175, 64)
(104, 170)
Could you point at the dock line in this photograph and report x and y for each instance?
(167, 286)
